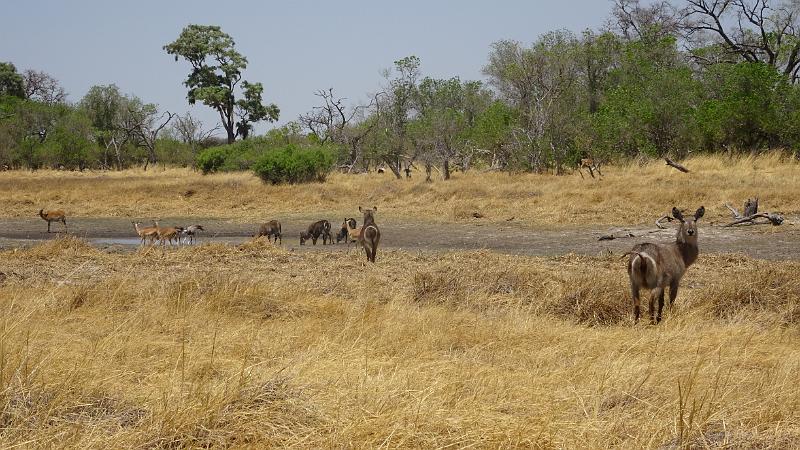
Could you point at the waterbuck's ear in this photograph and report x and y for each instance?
(700, 212)
(359, 209)
(374, 208)
(676, 213)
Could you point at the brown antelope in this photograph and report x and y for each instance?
(168, 234)
(315, 230)
(343, 233)
(55, 215)
(656, 266)
(353, 232)
(590, 165)
(270, 229)
(370, 235)
(146, 233)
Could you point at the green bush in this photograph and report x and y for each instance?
(211, 159)
(291, 164)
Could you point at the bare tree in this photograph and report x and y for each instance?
(189, 130)
(764, 31)
(144, 123)
(42, 87)
(332, 122)
(636, 21)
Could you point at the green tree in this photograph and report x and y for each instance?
(11, 82)
(748, 105)
(216, 73)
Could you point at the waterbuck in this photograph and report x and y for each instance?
(656, 266)
(315, 230)
(55, 215)
(271, 229)
(370, 235)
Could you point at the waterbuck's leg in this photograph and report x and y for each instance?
(673, 291)
(374, 252)
(656, 293)
(636, 303)
(366, 250)
(660, 306)
(48, 226)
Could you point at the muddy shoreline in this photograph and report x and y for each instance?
(761, 242)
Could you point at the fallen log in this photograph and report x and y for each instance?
(751, 214)
(672, 163)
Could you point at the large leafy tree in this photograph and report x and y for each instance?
(216, 76)
(11, 82)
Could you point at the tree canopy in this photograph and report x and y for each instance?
(216, 74)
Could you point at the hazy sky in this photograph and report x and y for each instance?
(293, 47)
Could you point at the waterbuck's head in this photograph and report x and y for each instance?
(369, 214)
(687, 232)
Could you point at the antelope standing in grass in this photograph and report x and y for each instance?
(55, 215)
(656, 266)
(146, 233)
(271, 229)
(370, 235)
(590, 165)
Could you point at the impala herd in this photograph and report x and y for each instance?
(650, 266)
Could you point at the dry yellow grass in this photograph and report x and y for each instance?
(626, 194)
(258, 346)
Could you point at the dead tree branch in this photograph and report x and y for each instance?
(672, 163)
(751, 214)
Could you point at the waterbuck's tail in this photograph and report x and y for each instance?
(639, 263)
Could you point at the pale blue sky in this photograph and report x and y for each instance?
(293, 47)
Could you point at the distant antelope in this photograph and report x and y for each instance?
(590, 165)
(168, 234)
(656, 266)
(55, 215)
(370, 235)
(146, 233)
(344, 231)
(315, 230)
(270, 229)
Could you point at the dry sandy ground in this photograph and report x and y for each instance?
(765, 241)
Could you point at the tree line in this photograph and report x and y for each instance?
(658, 79)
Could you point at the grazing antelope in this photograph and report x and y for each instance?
(370, 235)
(146, 233)
(590, 165)
(270, 229)
(189, 233)
(656, 266)
(315, 230)
(55, 215)
(343, 233)
(168, 234)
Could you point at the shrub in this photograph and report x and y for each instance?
(291, 164)
(211, 159)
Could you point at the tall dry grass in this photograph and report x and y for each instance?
(626, 194)
(258, 346)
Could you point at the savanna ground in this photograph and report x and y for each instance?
(253, 344)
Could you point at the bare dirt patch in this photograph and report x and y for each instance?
(764, 242)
